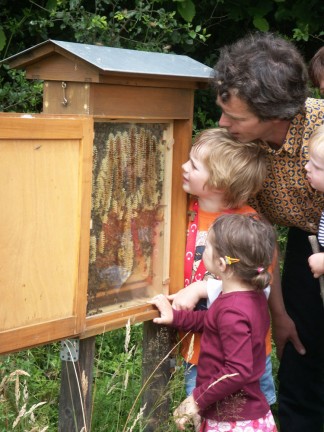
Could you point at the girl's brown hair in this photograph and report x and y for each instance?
(250, 240)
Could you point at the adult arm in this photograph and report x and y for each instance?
(283, 327)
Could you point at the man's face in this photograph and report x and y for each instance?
(241, 123)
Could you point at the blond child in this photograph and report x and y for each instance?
(220, 176)
(315, 176)
(232, 357)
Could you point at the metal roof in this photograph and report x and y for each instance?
(122, 60)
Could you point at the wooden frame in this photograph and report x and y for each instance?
(45, 190)
(31, 321)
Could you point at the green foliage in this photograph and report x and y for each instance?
(186, 9)
(282, 233)
(261, 23)
(2, 39)
(17, 94)
(29, 379)
(138, 24)
(117, 384)
(202, 121)
(302, 33)
(176, 25)
(117, 378)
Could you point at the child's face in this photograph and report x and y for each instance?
(315, 167)
(195, 175)
(210, 258)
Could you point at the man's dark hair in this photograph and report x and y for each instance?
(265, 71)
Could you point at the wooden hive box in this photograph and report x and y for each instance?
(125, 204)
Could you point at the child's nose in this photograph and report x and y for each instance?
(185, 166)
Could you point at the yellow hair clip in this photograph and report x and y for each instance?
(230, 260)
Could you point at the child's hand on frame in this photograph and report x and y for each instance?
(316, 264)
(165, 308)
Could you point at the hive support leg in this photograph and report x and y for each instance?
(156, 346)
(76, 389)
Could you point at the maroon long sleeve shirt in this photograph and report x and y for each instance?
(233, 342)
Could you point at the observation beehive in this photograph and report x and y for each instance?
(141, 104)
(128, 214)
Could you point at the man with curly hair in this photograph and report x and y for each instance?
(261, 85)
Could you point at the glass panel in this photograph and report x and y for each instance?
(128, 235)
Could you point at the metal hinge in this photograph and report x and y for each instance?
(70, 350)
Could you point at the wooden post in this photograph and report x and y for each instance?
(76, 390)
(156, 346)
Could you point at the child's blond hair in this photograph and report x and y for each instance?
(236, 168)
(316, 140)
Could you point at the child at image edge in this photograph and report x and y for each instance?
(316, 70)
(315, 176)
(221, 175)
(232, 357)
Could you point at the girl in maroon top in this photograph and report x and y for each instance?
(227, 396)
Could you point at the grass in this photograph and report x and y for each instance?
(29, 389)
(30, 386)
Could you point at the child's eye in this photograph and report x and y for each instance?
(193, 165)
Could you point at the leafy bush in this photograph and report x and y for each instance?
(17, 94)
